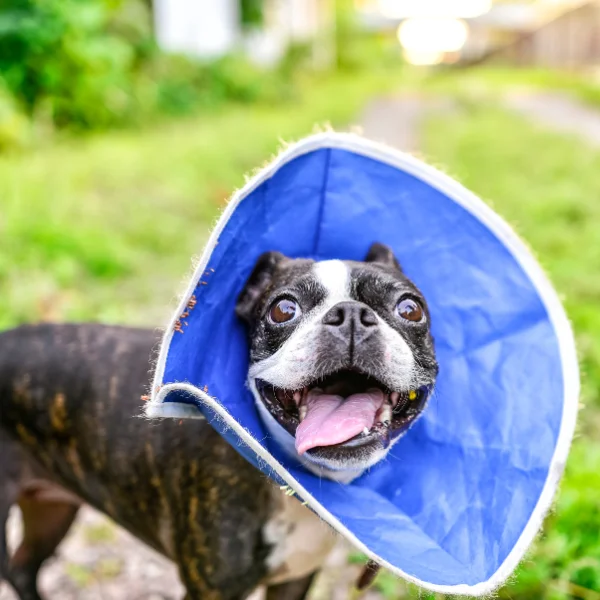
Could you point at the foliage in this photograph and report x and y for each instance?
(72, 58)
(252, 12)
(177, 85)
(92, 64)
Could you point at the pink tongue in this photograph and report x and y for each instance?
(332, 420)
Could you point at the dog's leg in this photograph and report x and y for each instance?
(45, 523)
(8, 495)
(292, 590)
(10, 471)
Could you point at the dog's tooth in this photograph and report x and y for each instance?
(385, 413)
(298, 397)
(366, 431)
(394, 396)
(302, 410)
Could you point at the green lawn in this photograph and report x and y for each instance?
(103, 228)
(484, 81)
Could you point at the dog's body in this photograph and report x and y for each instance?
(341, 364)
(70, 431)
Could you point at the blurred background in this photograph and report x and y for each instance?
(126, 124)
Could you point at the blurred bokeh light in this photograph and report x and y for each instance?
(426, 40)
(404, 9)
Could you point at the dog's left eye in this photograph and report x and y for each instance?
(410, 310)
(284, 311)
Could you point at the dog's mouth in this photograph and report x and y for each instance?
(345, 409)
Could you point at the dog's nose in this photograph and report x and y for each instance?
(351, 318)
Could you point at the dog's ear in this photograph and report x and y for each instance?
(382, 254)
(257, 283)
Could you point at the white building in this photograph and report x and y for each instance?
(211, 28)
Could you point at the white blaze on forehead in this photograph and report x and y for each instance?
(334, 276)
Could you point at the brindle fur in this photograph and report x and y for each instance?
(70, 406)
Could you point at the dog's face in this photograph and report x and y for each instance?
(342, 359)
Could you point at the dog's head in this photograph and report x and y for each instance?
(342, 359)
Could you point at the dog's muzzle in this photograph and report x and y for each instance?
(344, 409)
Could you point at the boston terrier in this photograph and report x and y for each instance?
(342, 362)
(342, 358)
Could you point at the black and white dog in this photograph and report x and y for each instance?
(342, 358)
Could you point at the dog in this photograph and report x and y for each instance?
(336, 341)
(342, 360)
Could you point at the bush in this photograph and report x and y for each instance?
(92, 64)
(177, 85)
(75, 57)
(252, 12)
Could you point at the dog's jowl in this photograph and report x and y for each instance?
(342, 362)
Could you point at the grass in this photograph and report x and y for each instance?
(487, 80)
(103, 228)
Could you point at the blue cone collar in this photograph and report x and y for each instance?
(463, 493)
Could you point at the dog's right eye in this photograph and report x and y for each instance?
(284, 310)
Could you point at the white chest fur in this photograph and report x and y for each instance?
(300, 540)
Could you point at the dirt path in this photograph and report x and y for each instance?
(558, 111)
(100, 561)
(395, 121)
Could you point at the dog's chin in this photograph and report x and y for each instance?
(283, 410)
